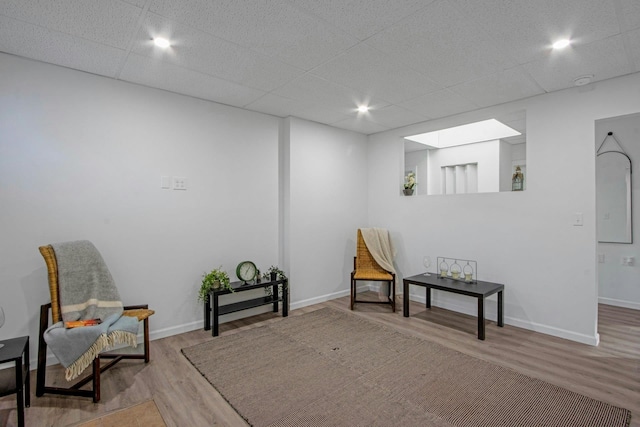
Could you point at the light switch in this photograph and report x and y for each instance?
(601, 258)
(165, 182)
(577, 219)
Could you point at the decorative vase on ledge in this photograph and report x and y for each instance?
(408, 191)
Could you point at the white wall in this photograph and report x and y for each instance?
(620, 284)
(326, 204)
(525, 240)
(81, 157)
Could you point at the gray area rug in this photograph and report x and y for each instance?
(329, 368)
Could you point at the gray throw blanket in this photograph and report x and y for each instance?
(86, 291)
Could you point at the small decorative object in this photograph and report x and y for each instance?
(467, 274)
(455, 270)
(427, 263)
(246, 271)
(444, 268)
(215, 279)
(409, 183)
(517, 180)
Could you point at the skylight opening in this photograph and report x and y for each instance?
(486, 130)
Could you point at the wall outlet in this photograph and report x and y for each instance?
(629, 261)
(179, 183)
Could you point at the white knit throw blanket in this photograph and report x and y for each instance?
(86, 291)
(380, 247)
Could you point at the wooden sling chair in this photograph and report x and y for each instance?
(142, 312)
(366, 268)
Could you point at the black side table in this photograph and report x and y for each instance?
(16, 381)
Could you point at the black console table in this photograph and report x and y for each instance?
(212, 304)
(478, 289)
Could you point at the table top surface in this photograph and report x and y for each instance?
(13, 349)
(242, 286)
(435, 281)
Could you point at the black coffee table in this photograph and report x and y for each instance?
(479, 290)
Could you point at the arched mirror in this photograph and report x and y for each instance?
(613, 190)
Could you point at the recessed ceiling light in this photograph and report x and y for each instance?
(363, 109)
(161, 42)
(583, 80)
(561, 44)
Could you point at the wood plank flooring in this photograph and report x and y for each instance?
(609, 372)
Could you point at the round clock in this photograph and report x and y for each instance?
(246, 271)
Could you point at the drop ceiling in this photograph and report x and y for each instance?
(409, 60)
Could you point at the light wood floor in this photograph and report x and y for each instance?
(609, 372)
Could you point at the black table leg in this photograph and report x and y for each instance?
(207, 314)
(274, 295)
(428, 297)
(285, 298)
(405, 298)
(214, 333)
(480, 318)
(20, 392)
(27, 384)
(500, 309)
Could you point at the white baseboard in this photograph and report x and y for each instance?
(490, 312)
(619, 303)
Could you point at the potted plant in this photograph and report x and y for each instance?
(215, 279)
(273, 273)
(409, 183)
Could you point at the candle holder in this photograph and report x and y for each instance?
(462, 270)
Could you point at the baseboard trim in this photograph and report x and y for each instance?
(619, 303)
(490, 312)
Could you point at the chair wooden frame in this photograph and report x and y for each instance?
(142, 312)
(366, 268)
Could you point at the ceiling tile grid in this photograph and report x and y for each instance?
(109, 22)
(202, 52)
(409, 60)
(145, 71)
(35, 42)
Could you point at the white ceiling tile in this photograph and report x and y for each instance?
(526, 28)
(358, 124)
(149, 72)
(439, 104)
(202, 52)
(310, 88)
(604, 59)
(444, 44)
(284, 107)
(393, 116)
(630, 14)
(369, 71)
(634, 41)
(139, 3)
(109, 22)
(45, 45)
(505, 86)
(362, 18)
(271, 27)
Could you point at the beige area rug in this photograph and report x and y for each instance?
(145, 414)
(333, 368)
